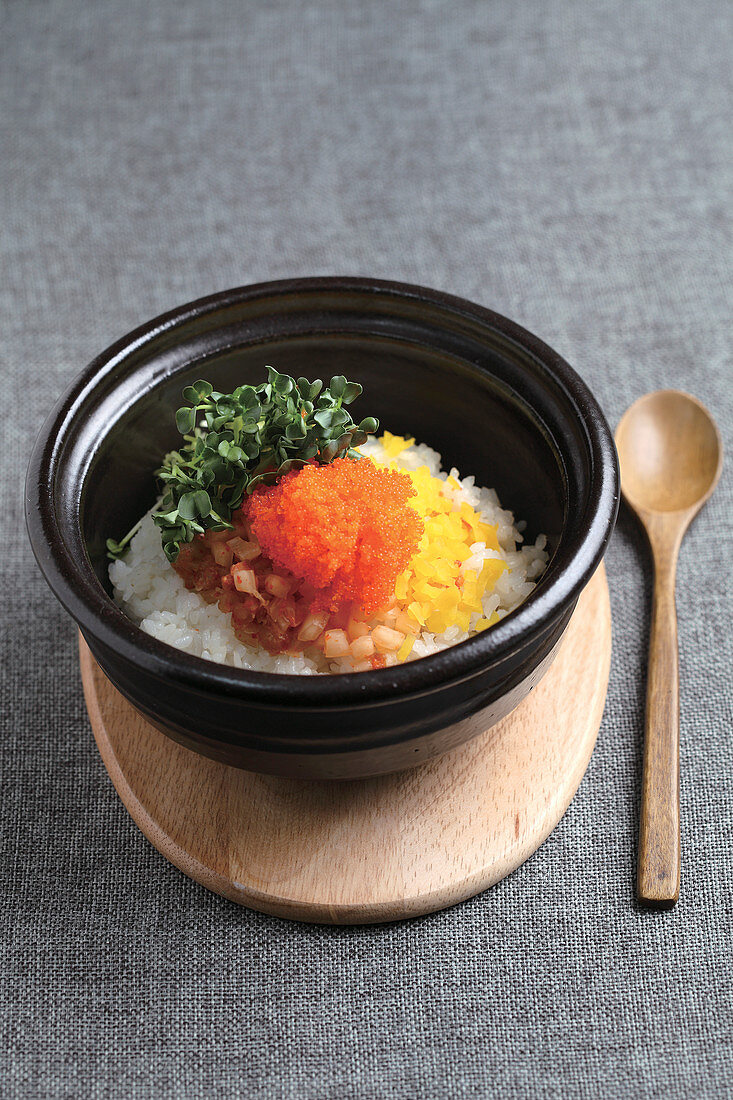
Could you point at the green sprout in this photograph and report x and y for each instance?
(235, 442)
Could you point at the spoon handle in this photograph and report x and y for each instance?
(658, 875)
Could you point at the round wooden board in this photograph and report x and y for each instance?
(376, 849)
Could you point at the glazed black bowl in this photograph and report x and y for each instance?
(492, 398)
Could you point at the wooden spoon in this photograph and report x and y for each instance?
(671, 455)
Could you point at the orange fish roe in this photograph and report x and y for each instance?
(345, 528)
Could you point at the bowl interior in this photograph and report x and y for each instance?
(473, 415)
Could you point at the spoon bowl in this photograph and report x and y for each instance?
(671, 455)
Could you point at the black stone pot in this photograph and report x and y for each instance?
(492, 398)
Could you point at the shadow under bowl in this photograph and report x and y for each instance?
(492, 398)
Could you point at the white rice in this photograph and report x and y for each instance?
(150, 591)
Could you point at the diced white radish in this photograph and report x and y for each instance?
(335, 643)
(277, 586)
(404, 623)
(243, 550)
(356, 629)
(245, 580)
(222, 554)
(361, 648)
(285, 613)
(313, 625)
(387, 640)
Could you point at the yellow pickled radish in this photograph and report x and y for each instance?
(433, 592)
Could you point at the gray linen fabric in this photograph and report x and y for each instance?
(568, 164)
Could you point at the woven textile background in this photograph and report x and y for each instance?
(568, 164)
